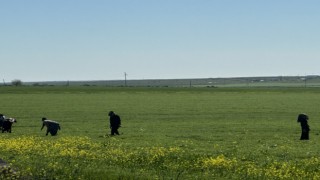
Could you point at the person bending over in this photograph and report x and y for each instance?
(52, 126)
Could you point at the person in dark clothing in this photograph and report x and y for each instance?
(303, 120)
(7, 124)
(2, 119)
(52, 126)
(115, 123)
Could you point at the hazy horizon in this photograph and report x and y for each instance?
(146, 79)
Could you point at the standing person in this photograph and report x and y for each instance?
(303, 120)
(52, 126)
(115, 123)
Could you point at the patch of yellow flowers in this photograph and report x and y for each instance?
(66, 158)
(219, 162)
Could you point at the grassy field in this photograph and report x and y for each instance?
(166, 133)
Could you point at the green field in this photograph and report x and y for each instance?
(166, 133)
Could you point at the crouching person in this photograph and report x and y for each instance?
(7, 124)
(52, 126)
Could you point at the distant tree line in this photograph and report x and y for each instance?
(16, 82)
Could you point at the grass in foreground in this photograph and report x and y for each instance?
(167, 133)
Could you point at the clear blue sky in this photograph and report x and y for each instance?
(48, 40)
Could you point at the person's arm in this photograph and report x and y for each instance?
(42, 126)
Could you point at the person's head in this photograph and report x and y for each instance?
(44, 118)
(111, 113)
(302, 117)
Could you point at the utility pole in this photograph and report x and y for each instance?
(125, 79)
(4, 82)
(305, 81)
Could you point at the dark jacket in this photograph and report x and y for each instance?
(115, 121)
(303, 120)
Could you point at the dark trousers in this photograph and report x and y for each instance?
(114, 130)
(53, 132)
(305, 134)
